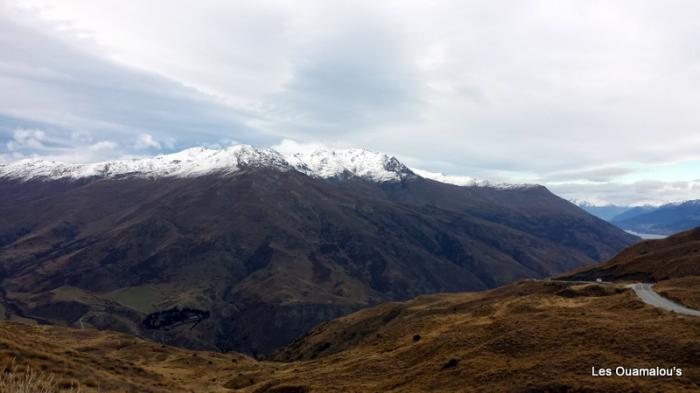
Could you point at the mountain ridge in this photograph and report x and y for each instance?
(266, 253)
(662, 220)
(200, 161)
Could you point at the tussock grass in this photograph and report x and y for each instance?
(15, 379)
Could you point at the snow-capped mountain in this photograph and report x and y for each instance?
(189, 162)
(601, 210)
(466, 181)
(198, 161)
(269, 247)
(456, 180)
(354, 162)
(201, 161)
(662, 220)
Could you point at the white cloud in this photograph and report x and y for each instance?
(600, 174)
(53, 79)
(22, 139)
(289, 146)
(103, 145)
(146, 141)
(652, 192)
(14, 156)
(53, 145)
(81, 137)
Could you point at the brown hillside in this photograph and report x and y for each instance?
(651, 261)
(265, 254)
(526, 337)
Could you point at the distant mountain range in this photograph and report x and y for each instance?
(658, 220)
(246, 249)
(606, 212)
(633, 212)
(663, 220)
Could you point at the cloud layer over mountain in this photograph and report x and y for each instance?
(594, 99)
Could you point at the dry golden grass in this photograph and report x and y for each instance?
(525, 337)
(531, 336)
(113, 362)
(658, 260)
(17, 379)
(684, 290)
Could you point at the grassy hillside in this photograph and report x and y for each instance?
(525, 337)
(650, 261)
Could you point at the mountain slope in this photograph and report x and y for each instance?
(525, 337)
(245, 250)
(672, 264)
(633, 212)
(650, 261)
(664, 220)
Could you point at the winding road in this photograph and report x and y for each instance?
(645, 293)
(649, 296)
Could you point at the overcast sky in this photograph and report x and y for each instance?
(598, 100)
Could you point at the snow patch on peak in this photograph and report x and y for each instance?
(439, 177)
(466, 181)
(190, 162)
(326, 164)
(198, 161)
(591, 202)
(691, 202)
(343, 163)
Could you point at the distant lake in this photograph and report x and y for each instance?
(647, 236)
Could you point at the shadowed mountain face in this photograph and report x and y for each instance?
(251, 260)
(531, 336)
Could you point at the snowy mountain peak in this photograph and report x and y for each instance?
(466, 181)
(202, 160)
(344, 163)
(327, 164)
(455, 180)
(688, 203)
(190, 162)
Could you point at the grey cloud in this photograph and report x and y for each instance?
(557, 91)
(356, 77)
(64, 84)
(603, 174)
